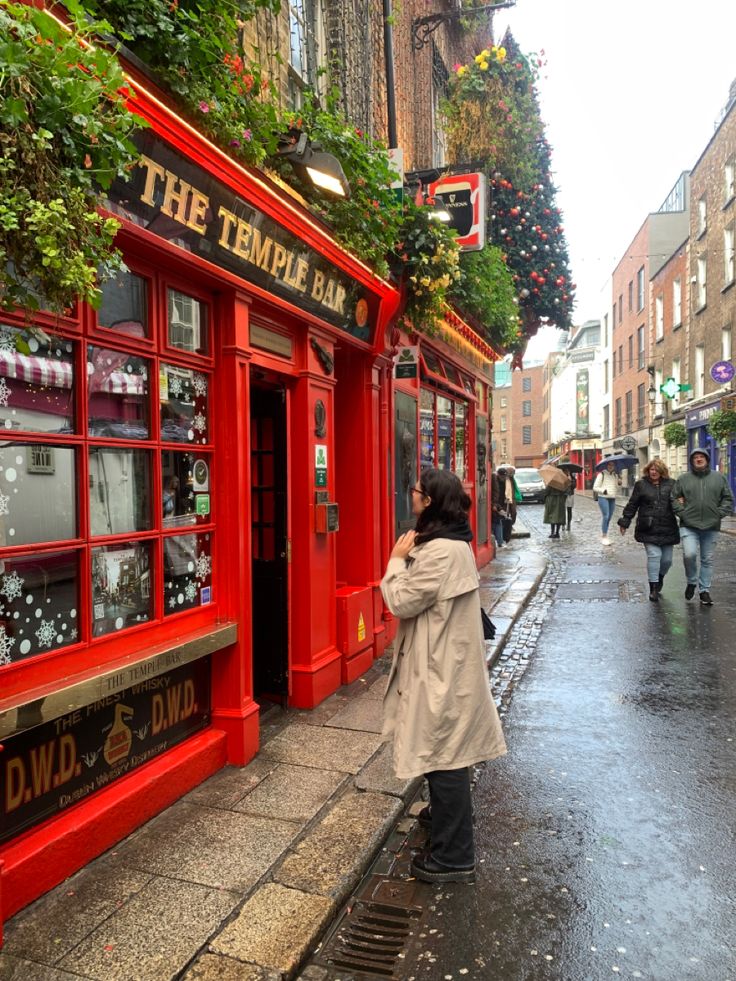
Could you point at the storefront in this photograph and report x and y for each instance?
(172, 549)
(698, 437)
(442, 419)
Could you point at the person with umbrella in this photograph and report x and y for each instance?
(570, 469)
(656, 525)
(606, 485)
(558, 485)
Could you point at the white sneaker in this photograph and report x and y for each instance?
(605, 540)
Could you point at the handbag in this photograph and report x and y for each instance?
(595, 495)
(489, 627)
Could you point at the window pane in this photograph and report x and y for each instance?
(460, 429)
(184, 402)
(36, 381)
(432, 362)
(121, 586)
(119, 495)
(124, 305)
(444, 433)
(186, 489)
(187, 572)
(426, 429)
(187, 323)
(38, 605)
(452, 373)
(38, 498)
(118, 394)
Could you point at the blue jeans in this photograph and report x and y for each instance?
(693, 539)
(607, 506)
(497, 528)
(659, 561)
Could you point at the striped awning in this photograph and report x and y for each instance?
(52, 373)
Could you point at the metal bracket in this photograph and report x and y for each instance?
(422, 28)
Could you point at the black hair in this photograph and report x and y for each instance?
(448, 503)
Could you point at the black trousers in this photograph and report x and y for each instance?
(452, 817)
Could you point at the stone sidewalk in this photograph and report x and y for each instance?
(239, 879)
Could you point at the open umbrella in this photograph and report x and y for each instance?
(622, 461)
(554, 477)
(569, 467)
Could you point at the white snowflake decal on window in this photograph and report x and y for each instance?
(73, 633)
(6, 644)
(200, 385)
(172, 602)
(46, 633)
(7, 340)
(4, 504)
(191, 592)
(199, 423)
(175, 386)
(204, 566)
(5, 393)
(12, 586)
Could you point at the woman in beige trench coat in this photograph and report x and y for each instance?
(438, 706)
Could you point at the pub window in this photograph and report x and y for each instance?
(145, 557)
(443, 432)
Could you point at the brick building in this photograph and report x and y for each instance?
(527, 400)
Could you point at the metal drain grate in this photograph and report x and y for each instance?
(370, 940)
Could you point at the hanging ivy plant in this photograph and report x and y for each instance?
(486, 291)
(64, 132)
(675, 434)
(430, 257)
(722, 425)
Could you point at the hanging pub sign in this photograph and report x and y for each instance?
(464, 198)
(48, 768)
(169, 196)
(722, 372)
(406, 362)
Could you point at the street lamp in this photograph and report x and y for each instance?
(311, 163)
(652, 394)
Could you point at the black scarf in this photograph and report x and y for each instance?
(458, 531)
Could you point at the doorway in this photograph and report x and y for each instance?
(270, 559)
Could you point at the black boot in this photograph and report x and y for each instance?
(654, 592)
(660, 584)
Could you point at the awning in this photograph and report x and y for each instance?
(52, 373)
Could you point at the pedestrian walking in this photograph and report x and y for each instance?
(438, 706)
(497, 507)
(511, 495)
(605, 487)
(656, 525)
(554, 509)
(701, 497)
(570, 502)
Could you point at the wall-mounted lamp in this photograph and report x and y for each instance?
(310, 163)
(652, 393)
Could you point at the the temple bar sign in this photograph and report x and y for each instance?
(464, 197)
(174, 199)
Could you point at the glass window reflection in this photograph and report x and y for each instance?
(118, 394)
(38, 501)
(187, 572)
(444, 433)
(119, 491)
(39, 599)
(36, 381)
(185, 489)
(184, 405)
(124, 305)
(187, 323)
(426, 429)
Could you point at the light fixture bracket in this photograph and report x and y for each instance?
(422, 28)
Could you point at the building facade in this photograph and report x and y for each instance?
(527, 400)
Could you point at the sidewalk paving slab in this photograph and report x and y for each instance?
(239, 879)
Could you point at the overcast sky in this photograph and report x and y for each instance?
(630, 95)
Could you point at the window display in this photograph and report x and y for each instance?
(185, 491)
(119, 491)
(39, 599)
(183, 397)
(36, 381)
(121, 586)
(38, 498)
(117, 394)
(187, 572)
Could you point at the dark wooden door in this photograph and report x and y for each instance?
(270, 545)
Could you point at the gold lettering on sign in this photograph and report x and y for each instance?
(182, 202)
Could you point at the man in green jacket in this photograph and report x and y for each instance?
(700, 498)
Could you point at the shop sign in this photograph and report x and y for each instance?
(464, 197)
(722, 372)
(48, 768)
(582, 401)
(406, 363)
(698, 417)
(202, 504)
(172, 198)
(320, 465)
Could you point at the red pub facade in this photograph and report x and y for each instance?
(199, 488)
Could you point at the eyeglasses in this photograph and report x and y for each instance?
(417, 490)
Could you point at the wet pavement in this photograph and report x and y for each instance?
(605, 838)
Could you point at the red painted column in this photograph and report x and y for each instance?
(315, 660)
(233, 708)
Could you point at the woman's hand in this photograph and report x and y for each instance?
(622, 529)
(404, 545)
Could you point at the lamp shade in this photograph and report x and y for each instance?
(313, 165)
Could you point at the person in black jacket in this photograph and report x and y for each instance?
(656, 525)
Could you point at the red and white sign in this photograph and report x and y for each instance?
(464, 197)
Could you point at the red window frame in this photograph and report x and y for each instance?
(80, 326)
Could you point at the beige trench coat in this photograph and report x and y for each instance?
(438, 704)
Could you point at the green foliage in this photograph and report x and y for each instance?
(64, 131)
(675, 434)
(368, 222)
(430, 258)
(722, 425)
(486, 291)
